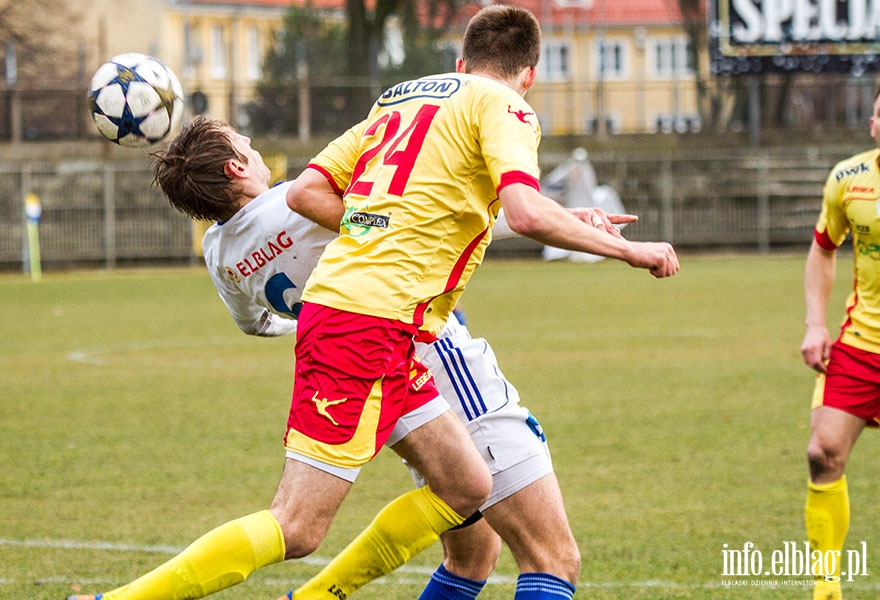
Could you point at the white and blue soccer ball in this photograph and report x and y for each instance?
(135, 100)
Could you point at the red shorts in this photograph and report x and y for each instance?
(852, 383)
(355, 376)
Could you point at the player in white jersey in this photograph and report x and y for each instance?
(260, 260)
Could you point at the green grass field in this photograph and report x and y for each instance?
(135, 416)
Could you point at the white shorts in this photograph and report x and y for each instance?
(513, 446)
(507, 436)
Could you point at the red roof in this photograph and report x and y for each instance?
(318, 4)
(549, 12)
(602, 12)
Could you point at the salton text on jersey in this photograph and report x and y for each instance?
(431, 87)
(259, 258)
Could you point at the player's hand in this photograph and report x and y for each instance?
(816, 348)
(599, 219)
(658, 257)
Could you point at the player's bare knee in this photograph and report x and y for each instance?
(300, 538)
(467, 494)
(299, 545)
(478, 492)
(477, 569)
(825, 461)
(570, 561)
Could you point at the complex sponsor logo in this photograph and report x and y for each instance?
(430, 87)
(359, 222)
(260, 257)
(752, 566)
(365, 219)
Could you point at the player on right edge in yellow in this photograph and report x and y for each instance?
(847, 392)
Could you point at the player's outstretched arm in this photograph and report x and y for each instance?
(818, 282)
(588, 214)
(540, 218)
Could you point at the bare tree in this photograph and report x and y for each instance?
(693, 13)
(43, 69)
(34, 33)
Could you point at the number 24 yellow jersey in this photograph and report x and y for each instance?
(421, 177)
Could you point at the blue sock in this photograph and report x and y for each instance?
(542, 586)
(449, 586)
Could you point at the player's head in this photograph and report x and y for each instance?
(192, 171)
(501, 40)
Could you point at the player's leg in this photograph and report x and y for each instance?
(431, 437)
(845, 399)
(416, 519)
(470, 554)
(833, 434)
(535, 527)
(443, 452)
(300, 515)
(514, 447)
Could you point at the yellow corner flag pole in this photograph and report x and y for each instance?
(33, 211)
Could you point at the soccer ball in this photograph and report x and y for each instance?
(135, 100)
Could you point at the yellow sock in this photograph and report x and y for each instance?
(219, 559)
(402, 529)
(827, 518)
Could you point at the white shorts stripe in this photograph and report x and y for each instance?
(461, 379)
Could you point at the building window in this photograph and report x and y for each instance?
(192, 51)
(612, 123)
(254, 54)
(554, 64)
(218, 53)
(677, 123)
(671, 58)
(612, 59)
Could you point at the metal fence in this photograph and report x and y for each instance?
(93, 213)
(109, 214)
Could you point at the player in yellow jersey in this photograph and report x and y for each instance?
(423, 179)
(847, 392)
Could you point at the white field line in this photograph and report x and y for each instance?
(407, 574)
(103, 355)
